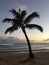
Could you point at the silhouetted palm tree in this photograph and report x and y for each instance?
(20, 20)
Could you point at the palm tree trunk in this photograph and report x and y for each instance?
(29, 46)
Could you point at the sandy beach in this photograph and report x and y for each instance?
(41, 58)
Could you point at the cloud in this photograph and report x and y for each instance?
(22, 7)
(46, 39)
(11, 40)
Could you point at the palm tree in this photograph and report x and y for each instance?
(20, 20)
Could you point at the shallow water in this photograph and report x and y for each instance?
(23, 47)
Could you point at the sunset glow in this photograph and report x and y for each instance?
(41, 6)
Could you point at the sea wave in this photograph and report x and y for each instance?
(23, 47)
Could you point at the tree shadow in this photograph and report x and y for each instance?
(30, 61)
(27, 60)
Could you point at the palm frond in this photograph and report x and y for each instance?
(11, 29)
(19, 10)
(6, 20)
(9, 20)
(23, 14)
(31, 16)
(15, 13)
(30, 26)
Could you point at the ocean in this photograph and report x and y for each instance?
(23, 47)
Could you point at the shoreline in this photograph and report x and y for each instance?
(26, 51)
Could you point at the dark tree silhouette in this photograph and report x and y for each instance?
(20, 20)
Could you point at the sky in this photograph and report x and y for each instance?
(41, 6)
